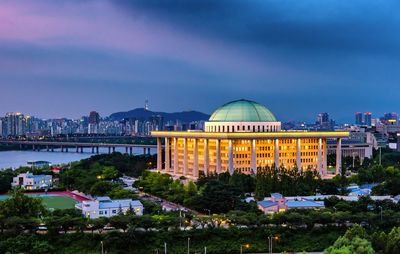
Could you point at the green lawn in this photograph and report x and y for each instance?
(58, 202)
(53, 202)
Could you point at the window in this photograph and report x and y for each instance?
(100, 212)
(114, 211)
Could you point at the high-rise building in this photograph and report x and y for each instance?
(94, 117)
(358, 118)
(390, 118)
(14, 124)
(323, 121)
(1, 127)
(368, 118)
(322, 118)
(94, 120)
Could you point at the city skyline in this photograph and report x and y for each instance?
(63, 59)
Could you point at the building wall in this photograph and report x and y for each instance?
(242, 126)
(265, 154)
(363, 150)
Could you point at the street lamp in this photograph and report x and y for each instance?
(270, 239)
(188, 245)
(244, 245)
(380, 207)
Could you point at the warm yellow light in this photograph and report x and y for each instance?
(244, 135)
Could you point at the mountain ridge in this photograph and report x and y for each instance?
(141, 113)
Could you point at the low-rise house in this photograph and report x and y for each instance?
(39, 164)
(106, 207)
(30, 181)
(278, 203)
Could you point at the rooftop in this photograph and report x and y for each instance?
(242, 111)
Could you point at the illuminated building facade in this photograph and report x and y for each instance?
(243, 135)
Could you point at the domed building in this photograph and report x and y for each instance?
(243, 136)
(242, 116)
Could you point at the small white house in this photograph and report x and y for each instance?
(29, 181)
(106, 207)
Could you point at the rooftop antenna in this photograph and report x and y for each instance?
(146, 105)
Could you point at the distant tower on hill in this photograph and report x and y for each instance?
(146, 105)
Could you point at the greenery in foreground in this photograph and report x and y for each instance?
(298, 230)
(232, 223)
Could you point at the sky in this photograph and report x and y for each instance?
(66, 58)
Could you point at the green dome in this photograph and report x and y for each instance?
(242, 111)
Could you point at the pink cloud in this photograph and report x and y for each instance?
(97, 24)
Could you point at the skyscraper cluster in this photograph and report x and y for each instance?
(363, 119)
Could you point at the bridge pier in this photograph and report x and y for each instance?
(113, 149)
(92, 149)
(47, 148)
(66, 149)
(109, 150)
(33, 147)
(62, 149)
(52, 148)
(126, 150)
(148, 151)
(77, 149)
(130, 150)
(144, 150)
(81, 149)
(97, 149)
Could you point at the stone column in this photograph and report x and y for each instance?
(206, 157)
(253, 156)
(319, 166)
(230, 157)
(159, 154)
(185, 157)
(195, 159)
(298, 155)
(218, 155)
(325, 157)
(276, 157)
(167, 155)
(338, 156)
(175, 156)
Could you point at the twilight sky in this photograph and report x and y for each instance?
(66, 58)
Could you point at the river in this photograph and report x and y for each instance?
(15, 159)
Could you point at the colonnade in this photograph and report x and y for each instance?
(321, 162)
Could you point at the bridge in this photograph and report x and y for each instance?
(79, 146)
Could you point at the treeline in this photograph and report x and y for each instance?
(224, 192)
(98, 175)
(217, 193)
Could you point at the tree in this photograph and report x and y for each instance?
(109, 173)
(354, 241)
(21, 205)
(393, 241)
(101, 188)
(120, 222)
(98, 224)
